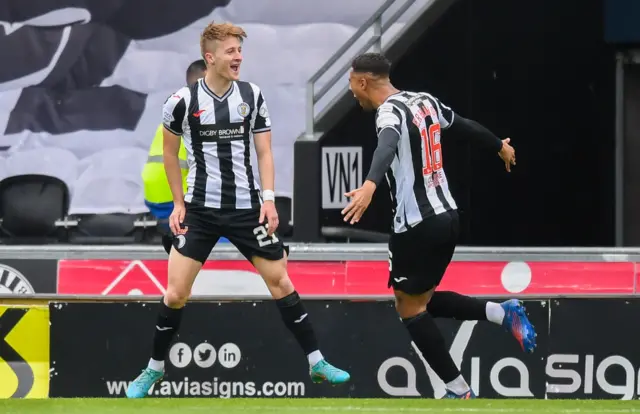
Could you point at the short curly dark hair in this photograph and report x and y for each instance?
(374, 63)
(197, 67)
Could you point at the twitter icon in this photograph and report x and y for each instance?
(204, 355)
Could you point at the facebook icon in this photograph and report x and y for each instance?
(180, 355)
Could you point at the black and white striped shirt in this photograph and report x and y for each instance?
(419, 187)
(217, 133)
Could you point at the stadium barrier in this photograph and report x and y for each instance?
(235, 349)
(333, 270)
(73, 318)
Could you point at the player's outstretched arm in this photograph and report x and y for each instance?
(383, 156)
(477, 133)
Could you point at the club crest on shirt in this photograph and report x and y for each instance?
(264, 112)
(243, 109)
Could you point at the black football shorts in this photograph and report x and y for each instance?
(206, 225)
(419, 257)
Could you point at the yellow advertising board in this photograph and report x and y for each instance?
(24, 351)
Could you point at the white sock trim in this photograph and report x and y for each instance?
(314, 358)
(156, 365)
(458, 386)
(495, 313)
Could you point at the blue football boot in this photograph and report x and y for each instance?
(140, 387)
(324, 371)
(450, 395)
(516, 322)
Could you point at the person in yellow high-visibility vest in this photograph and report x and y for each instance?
(157, 194)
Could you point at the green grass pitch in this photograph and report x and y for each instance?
(284, 406)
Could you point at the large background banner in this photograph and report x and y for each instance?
(243, 350)
(90, 103)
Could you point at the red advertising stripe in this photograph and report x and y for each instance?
(237, 278)
(231, 277)
(114, 277)
(502, 278)
(582, 278)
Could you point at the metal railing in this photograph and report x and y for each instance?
(325, 252)
(46, 298)
(375, 41)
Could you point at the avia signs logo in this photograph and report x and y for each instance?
(457, 352)
(569, 374)
(574, 376)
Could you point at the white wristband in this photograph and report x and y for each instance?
(268, 195)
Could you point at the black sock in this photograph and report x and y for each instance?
(429, 340)
(167, 326)
(457, 306)
(296, 319)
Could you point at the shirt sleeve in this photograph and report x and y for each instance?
(261, 120)
(445, 114)
(384, 154)
(388, 116)
(174, 111)
(477, 133)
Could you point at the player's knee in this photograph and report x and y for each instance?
(175, 299)
(283, 285)
(410, 310)
(409, 306)
(275, 276)
(279, 284)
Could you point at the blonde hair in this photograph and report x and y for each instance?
(220, 31)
